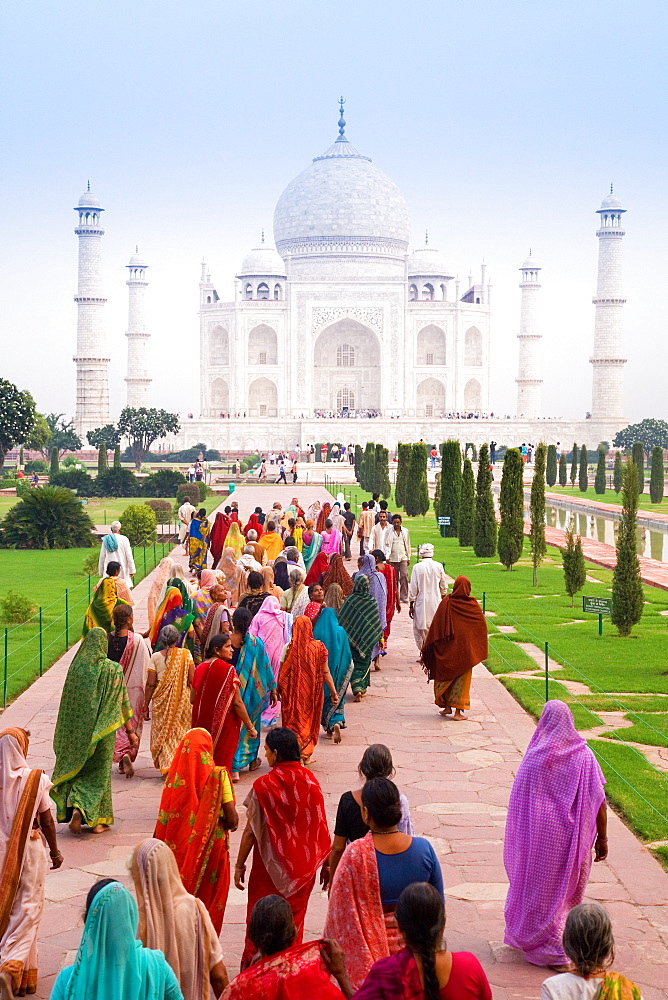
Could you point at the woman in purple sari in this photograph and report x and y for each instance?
(274, 627)
(378, 590)
(556, 814)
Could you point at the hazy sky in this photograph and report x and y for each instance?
(503, 122)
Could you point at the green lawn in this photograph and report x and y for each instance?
(610, 496)
(104, 511)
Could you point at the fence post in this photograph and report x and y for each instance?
(484, 602)
(547, 675)
(41, 643)
(144, 560)
(4, 683)
(89, 588)
(155, 555)
(67, 619)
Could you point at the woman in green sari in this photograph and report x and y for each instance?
(93, 705)
(359, 617)
(106, 597)
(176, 608)
(198, 540)
(311, 544)
(257, 686)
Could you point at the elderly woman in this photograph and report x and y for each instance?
(295, 598)
(25, 810)
(235, 577)
(176, 923)
(116, 547)
(168, 686)
(556, 816)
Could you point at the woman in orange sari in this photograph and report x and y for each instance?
(300, 685)
(337, 573)
(196, 813)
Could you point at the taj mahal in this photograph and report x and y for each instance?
(339, 322)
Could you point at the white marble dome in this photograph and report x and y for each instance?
(428, 262)
(341, 204)
(530, 264)
(88, 200)
(610, 201)
(138, 260)
(263, 260)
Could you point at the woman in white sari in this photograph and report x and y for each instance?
(25, 809)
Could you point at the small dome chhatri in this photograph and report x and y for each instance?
(611, 203)
(137, 259)
(428, 262)
(88, 200)
(531, 263)
(262, 260)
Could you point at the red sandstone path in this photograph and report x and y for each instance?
(457, 777)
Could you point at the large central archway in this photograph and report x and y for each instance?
(346, 366)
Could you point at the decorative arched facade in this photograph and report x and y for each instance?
(219, 396)
(472, 396)
(430, 398)
(219, 346)
(262, 398)
(262, 346)
(473, 348)
(431, 346)
(346, 364)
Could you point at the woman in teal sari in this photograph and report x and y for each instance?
(111, 964)
(359, 617)
(257, 687)
(311, 544)
(198, 540)
(340, 662)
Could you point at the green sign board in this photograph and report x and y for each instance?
(597, 605)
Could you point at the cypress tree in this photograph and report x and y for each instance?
(574, 464)
(383, 472)
(484, 525)
(54, 462)
(627, 590)
(599, 482)
(466, 512)
(21, 457)
(359, 458)
(403, 464)
(617, 473)
(563, 469)
(583, 477)
(451, 487)
(102, 459)
(575, 571)
(417, 492)
(639, 460)
(511, 508)
(537, 505)
(551, 468)
(377, 471)
(367, 480)
(656, 476)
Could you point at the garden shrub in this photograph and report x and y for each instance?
(37, 465)
(138, 523)
(163, 483)
(91, 563)
(48, 517)
(76, 480)
(161, 508)
(16, 608)
(117, 483)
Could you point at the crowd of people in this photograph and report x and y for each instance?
(253, 656)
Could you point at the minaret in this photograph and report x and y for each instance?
(607, 398)
(92, 383)
(528, 372)
(138, 379)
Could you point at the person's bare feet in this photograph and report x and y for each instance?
(75, 822)
(358, 696)
(446, 711)
(458, 717)
(254, 764)
(101, 828)
(337, 733)
(376, 663)
(126, 766)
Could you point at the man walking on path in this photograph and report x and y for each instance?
(186, 511)
(116, 547)
(347, 529)
(398, 553)
(281, 473)
(380, 534)
(366, 524)
(428, 586)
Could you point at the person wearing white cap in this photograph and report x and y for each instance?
(428, 585)
(116, 548)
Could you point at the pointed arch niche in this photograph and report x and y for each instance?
(431, 346)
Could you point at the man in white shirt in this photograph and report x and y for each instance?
(248, 560)
(398, 554)
(186, 511)
(380, 533)
(428, 586)
(116, 548)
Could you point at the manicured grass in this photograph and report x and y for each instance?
(651, 730)
(610, 496)
(638, 790)
(106, 510)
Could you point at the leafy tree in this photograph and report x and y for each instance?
(627, 590)
(537, 505)
(484, 525)
(138, 523)
(451, 487)
(551, 467)
(109, 435)
(466, 514)
(117, 483)
(117, 457)
(63, 434)
(403, 464)
(574, 464)
(617, 472)
(656, 476)
(650, 433)
(563, 469)
(511, 508)
(48, 517)
(143, 426)
(575, 571)
(163, 483)
(39, 438)
(599, 481)
(17, 417)
(76, 480)
(638, 455)
(196, 493)
(417, 492)
(583, 476)
(55, 467)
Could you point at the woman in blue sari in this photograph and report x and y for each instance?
(340, 662)
(311, 544)
(198, 540)
(257, 687)
(176, 608)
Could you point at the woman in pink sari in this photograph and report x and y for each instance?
(331, 539)
(556, 815)
(274, 627)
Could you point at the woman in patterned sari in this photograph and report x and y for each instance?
(25, 809)
(337, 573)
(340, 662)
(303, 673)
(218, 706)
(323, 514)
(93, 705)
(129, 648)
(334, 597)
(235, 540)
(274, 628)
(217, 621)
(235, 577)
(198, 540)
(257, 686)
(359, 617)
(105, 599)
(311, 544)
(168, 686)
(197, 812)
(175, 609)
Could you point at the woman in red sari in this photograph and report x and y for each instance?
(218, 706)
(303, 673)
(254, 524)
(318, 567)
(196, 812)
(218, 535)
(286, 829)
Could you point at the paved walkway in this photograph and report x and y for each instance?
(457, 777)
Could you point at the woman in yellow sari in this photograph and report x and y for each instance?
(109, 593)
(235, 540)
(198, 540)
(168, 686)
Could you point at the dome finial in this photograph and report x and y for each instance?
(136, 248)
(263, 236)
(342, 121)
(88, 186)
(611, 189)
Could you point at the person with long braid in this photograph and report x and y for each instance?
(425, 967)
